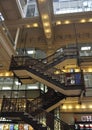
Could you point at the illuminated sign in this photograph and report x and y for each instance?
(86, 118)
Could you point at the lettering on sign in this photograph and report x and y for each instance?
(86, 118)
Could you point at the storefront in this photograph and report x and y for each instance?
(85, 123)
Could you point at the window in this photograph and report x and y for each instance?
(71, 6)
(28, 8)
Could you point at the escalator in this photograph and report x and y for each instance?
(13, 108)
(56, 82)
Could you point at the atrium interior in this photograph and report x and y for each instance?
(46, 64)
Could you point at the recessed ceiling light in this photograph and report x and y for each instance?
(82, 20)
(28, 26)
(58, 22)
(45, 16)
(83, 106)
(67, 22)
(35, 25)
(46, 24)
(47, 30)
(7, 74)
(90, 20)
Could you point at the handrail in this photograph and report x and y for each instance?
(48, 99)
(41, 115)
(50, 61)
(38, 68)
(24, 105)
(59, 54)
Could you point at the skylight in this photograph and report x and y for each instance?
(28, 8)
(71, 6)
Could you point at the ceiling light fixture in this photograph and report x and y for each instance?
(67, 22)
(46, 24)
(28, 26)
(35, 25)
(82, 20)
(90, 20)
(47, 30)
(45, 16)
(58, 22)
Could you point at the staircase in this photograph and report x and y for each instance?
(57, 82)
(49, 100)
(23, 108)
(50, 61)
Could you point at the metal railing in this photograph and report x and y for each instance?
(23, 105)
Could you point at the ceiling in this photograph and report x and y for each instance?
(35, 37)
(60, 35)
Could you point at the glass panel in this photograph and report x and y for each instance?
(71, 6)
(28, 8)
(85, 49)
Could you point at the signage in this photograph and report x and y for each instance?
(86, 118)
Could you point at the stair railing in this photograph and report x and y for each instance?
(59, 79)
(47, 118)
(47, 62)
(26, 106)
